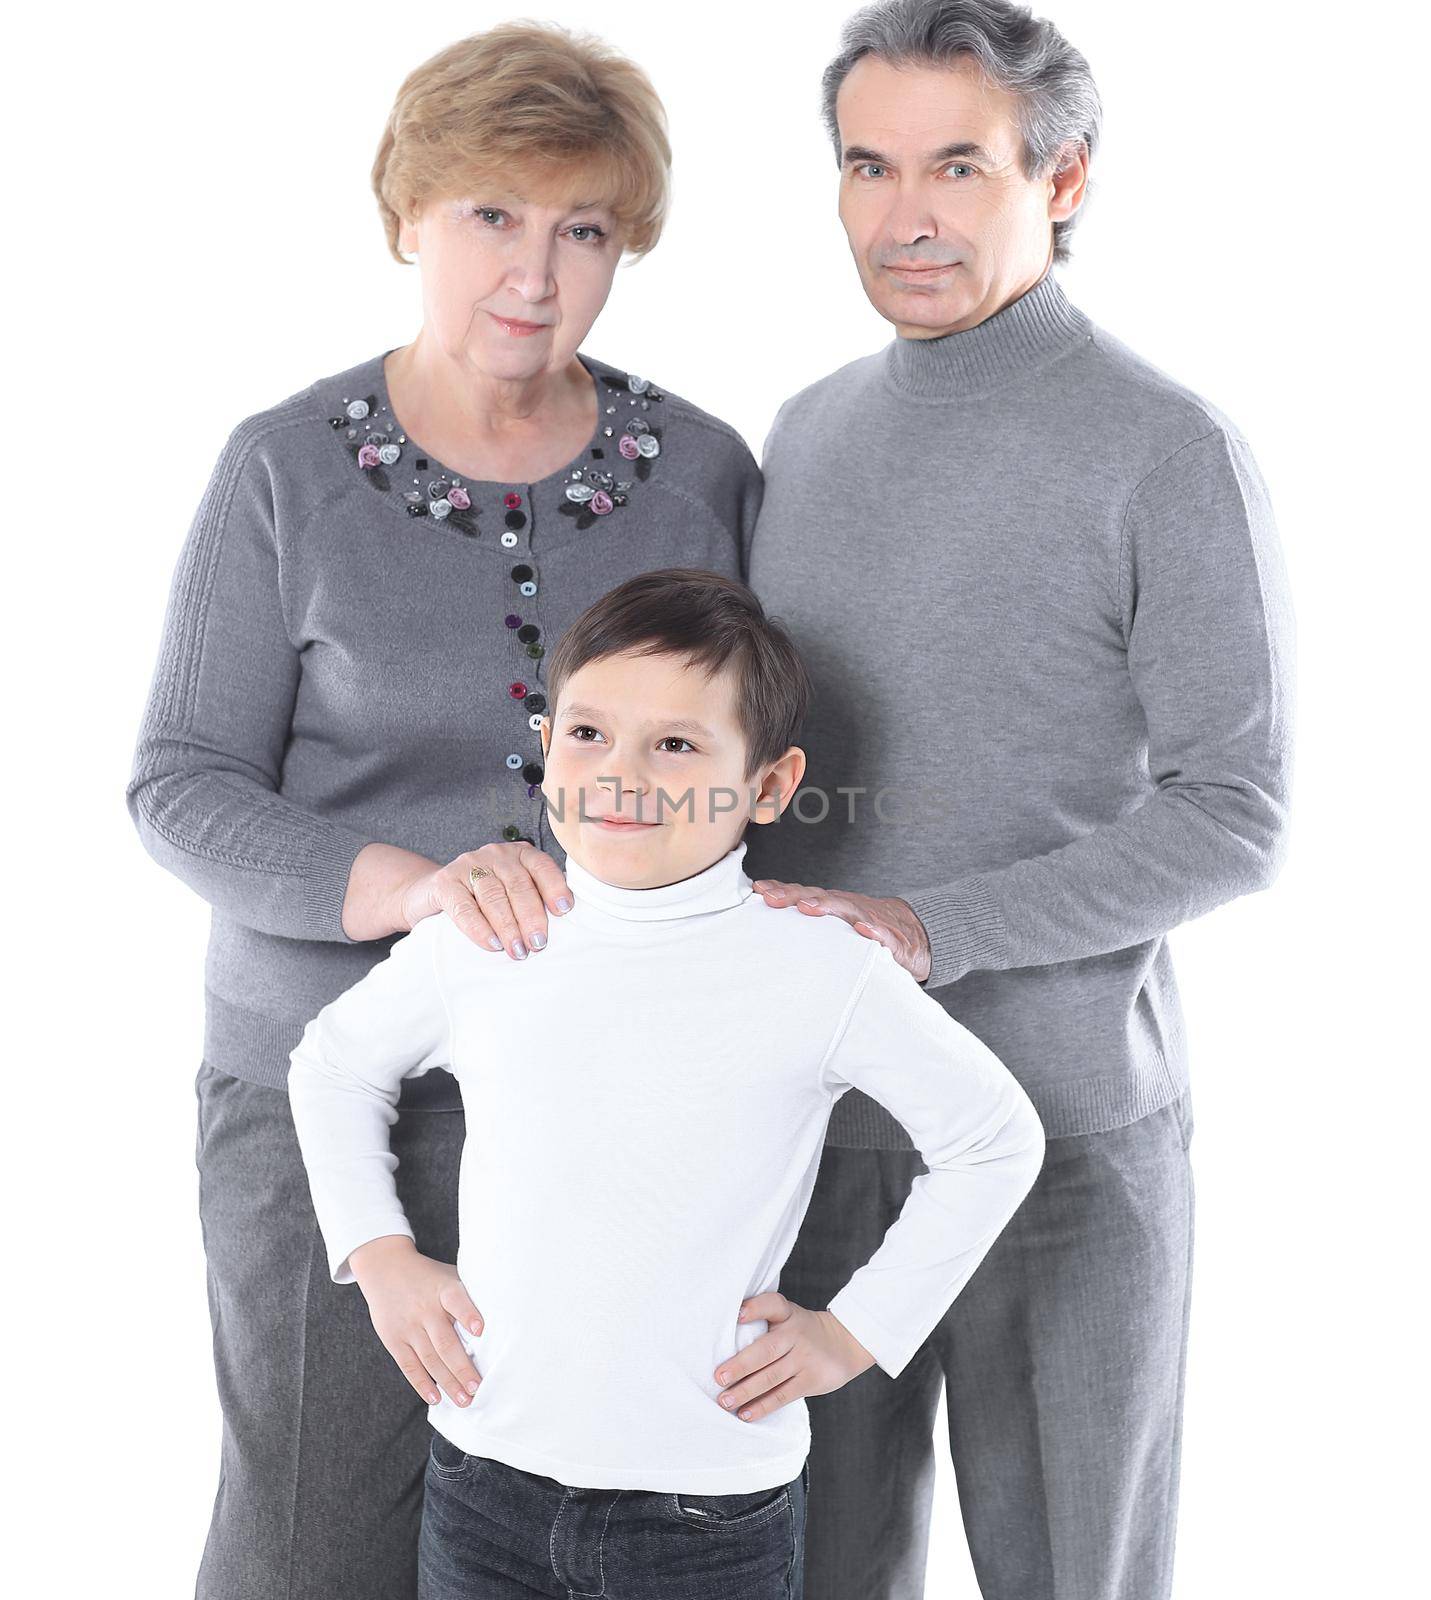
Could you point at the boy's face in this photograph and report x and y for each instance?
(651, 742)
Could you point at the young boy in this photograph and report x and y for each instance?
(646, 1104)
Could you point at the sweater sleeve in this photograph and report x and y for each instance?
(203, 791)
(344, 1079)
(979, 1136)
(1210, 641)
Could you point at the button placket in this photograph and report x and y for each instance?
(527, 635)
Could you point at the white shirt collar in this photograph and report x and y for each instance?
(718, 887)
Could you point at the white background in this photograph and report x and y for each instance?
(195, 238)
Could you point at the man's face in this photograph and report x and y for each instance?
(653, 745)
(943, 225)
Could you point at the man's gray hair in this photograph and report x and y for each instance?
(1058, 101)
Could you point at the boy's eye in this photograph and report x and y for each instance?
(677, 739)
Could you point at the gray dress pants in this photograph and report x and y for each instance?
(325, 1443)
(1062, 1364)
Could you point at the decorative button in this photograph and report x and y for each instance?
(529, 631)
(459, 497)
(518, 691)
(368, 456)
(534, 722)
(516, 519)
(537, 702)
(511, 832)
(440, 508)
(389, 454)
(508, 539)
(357, 409)
(648, 445)
(579, 493)
(627, 447)
(511, 501)
(512, 620)
(514, 761)
(601, 502)
(536, 651)
(532, 772)
(528, 588)
(521, 572)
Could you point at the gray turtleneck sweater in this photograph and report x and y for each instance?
(1039, 588)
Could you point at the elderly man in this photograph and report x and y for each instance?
(1038, 585)
(1039, 589)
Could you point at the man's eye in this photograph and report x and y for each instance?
(488, 212)
(963, 164)
(869, 166)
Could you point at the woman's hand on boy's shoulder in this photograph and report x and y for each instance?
(803, 1352)
(413, 1301)
(499, 896)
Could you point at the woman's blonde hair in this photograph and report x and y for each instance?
(532, 104)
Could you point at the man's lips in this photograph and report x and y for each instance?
(921, 271)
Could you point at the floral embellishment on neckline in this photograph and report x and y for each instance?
(593, 492)
(377, 445)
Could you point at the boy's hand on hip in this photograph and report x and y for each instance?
(415, 1303)
(803, 1352)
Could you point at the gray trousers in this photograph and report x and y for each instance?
(1062, 1364)
(1063, 1361)
(325, 1443)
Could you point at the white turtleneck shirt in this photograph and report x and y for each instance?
(646, 1103)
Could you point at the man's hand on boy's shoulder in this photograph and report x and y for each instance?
(803, 1352)
(412, 1300)
(891, 922)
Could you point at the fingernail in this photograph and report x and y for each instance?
(563, 904)
(805, 902)
(519, 950)
(727, 1399)
(476, 1324)
(472, 1386)
(538, 940)
(494, 943)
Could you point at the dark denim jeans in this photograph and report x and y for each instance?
(496, 1532)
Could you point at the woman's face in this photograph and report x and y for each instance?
(511, 286)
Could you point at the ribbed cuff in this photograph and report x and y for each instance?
(965, 924)
(329, 868)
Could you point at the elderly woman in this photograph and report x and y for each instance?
(348, 697)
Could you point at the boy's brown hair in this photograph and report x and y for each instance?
(712, 622)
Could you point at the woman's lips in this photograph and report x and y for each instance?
(518, 329)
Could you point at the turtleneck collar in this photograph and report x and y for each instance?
(720, 886)
(1025, 334)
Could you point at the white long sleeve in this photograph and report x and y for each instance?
(343, 1084)
(979, 1136)
(646, 1104)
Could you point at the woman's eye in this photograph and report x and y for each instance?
(592, 232)
(488, 212)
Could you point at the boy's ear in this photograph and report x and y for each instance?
(546, 732)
